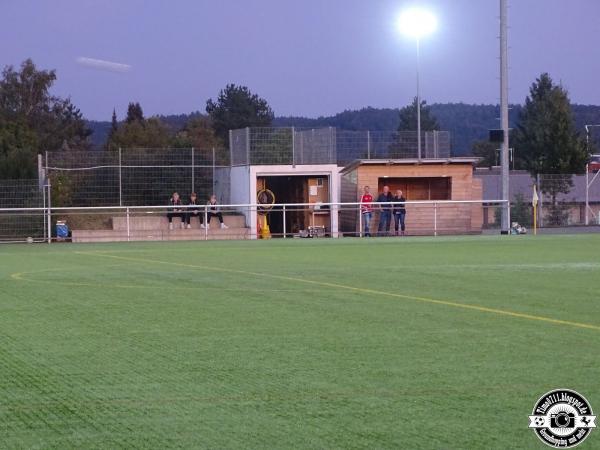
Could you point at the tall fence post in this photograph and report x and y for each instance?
(41, 173)
(368, 144)
(587, 193)
(42, 187)
(44, 211)
(120, 179)
(333, 145)
(49, 212)
(214, 171)
(293, 147)
(248, 162)
(193, 184)
(540, 210)
(231, 147)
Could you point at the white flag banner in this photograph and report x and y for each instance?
(535, 198)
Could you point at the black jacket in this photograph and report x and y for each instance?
(385, 199)
(401, 207)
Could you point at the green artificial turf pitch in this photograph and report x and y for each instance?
(413, 343)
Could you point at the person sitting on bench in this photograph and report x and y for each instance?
(193, 211)
(213, 210)
(175, 201)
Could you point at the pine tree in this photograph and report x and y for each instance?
(114, 125)
(408, 118)
(546, 139)
(134, 113)
(237, 107)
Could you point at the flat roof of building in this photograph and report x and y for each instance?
(411, 162)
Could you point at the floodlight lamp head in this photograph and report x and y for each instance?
(417, 23)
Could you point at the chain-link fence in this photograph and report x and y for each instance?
(353, 145)
(291, 146)
(17, 225)
(136, 176)
(563, 200)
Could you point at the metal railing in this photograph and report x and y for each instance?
(247, 221)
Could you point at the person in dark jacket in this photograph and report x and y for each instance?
(213, 210)
(399, 213)
(385, 212)
(174, 211)
(193, 211)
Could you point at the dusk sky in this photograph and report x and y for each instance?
(310, 58)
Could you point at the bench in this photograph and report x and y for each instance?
(155, 227)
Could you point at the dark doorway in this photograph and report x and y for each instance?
(292, 189)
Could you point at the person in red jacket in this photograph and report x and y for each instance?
(366, 209)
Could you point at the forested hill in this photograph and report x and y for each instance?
(467, 123)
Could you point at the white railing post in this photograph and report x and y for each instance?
(360, 223)
(284, 225)
(128, 232)
(435, 219)
(206, 224)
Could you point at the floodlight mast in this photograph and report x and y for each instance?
(417, 23)
(504, 154)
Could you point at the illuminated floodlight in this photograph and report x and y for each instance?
(417, 22)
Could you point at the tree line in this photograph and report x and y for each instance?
(546, 135)
(32, 121)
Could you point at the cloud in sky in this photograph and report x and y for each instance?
(100, 64)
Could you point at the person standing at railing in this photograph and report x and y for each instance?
(399, 213)
(366, 209)
(193, 210)
(174, 211)
(213, 210)
(385, 212)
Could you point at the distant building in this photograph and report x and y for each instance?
(522, 183)
(315, 165)
(424, 180)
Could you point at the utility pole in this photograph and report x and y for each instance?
(504, 154)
